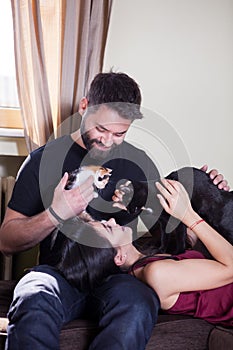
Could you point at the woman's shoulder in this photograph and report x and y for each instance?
(157, 268)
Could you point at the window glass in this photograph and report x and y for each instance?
(8, 90)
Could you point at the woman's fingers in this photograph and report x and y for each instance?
(163, 202)
(173, 197)
(167, 187)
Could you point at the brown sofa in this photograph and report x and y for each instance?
(170, 333)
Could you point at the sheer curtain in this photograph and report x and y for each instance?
(59, 47)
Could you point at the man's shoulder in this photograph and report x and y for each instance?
(62, 141)
(128, 147)
(46, 152)
(52, 147)
(133, 153)
(140, 158)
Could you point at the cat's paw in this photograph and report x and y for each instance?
(123, 195)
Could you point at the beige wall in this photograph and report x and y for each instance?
(12, 153)
(181, 54)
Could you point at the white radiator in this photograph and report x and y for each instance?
(6, 187)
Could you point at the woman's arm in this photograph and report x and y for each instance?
(170, 277)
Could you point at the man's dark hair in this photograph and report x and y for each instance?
(118, 91)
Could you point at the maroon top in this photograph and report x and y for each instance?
(214, 305)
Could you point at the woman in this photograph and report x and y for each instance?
(187, 283)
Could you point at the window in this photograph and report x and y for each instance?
(9, 104)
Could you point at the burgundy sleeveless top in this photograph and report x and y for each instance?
(214, 306)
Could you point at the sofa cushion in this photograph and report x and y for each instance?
(221, 339)
(6, 294)
(176, 333)
(79, 332)
(180, 334)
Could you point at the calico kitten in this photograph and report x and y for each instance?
(78, 176)
(215, 206)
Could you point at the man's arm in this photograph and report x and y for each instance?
(19, 232)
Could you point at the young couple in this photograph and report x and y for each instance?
(40, 204)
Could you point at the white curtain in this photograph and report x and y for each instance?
(59, 48)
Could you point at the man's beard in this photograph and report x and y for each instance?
(94, 152)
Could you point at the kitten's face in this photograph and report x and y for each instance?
(101, 176)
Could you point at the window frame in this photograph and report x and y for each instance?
(10, 118)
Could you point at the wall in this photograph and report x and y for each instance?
(181, 54)
(13, 151)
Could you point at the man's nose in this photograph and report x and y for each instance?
(107, 140)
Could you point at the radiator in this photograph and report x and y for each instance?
(6, 187)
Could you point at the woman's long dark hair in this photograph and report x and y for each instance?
(86, 265)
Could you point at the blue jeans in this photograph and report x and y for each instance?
(44, 301)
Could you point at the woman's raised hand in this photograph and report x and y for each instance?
(174, 198)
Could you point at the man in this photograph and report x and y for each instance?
(43, 300)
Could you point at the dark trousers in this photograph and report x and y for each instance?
(44, 301)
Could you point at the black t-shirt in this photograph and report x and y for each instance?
(43, 169)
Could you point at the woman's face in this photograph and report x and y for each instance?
(117, 235)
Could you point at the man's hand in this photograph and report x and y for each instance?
(217, 178)
(69, 203)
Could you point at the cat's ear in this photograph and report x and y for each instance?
(83, 105)
(121, 257)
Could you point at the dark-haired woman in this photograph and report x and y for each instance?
(187, 283)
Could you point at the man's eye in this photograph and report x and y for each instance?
(100, 129)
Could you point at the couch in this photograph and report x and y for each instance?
(172, 332)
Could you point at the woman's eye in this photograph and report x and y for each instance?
(107, 227)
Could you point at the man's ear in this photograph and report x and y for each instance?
(120, 258)
(83, 105)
